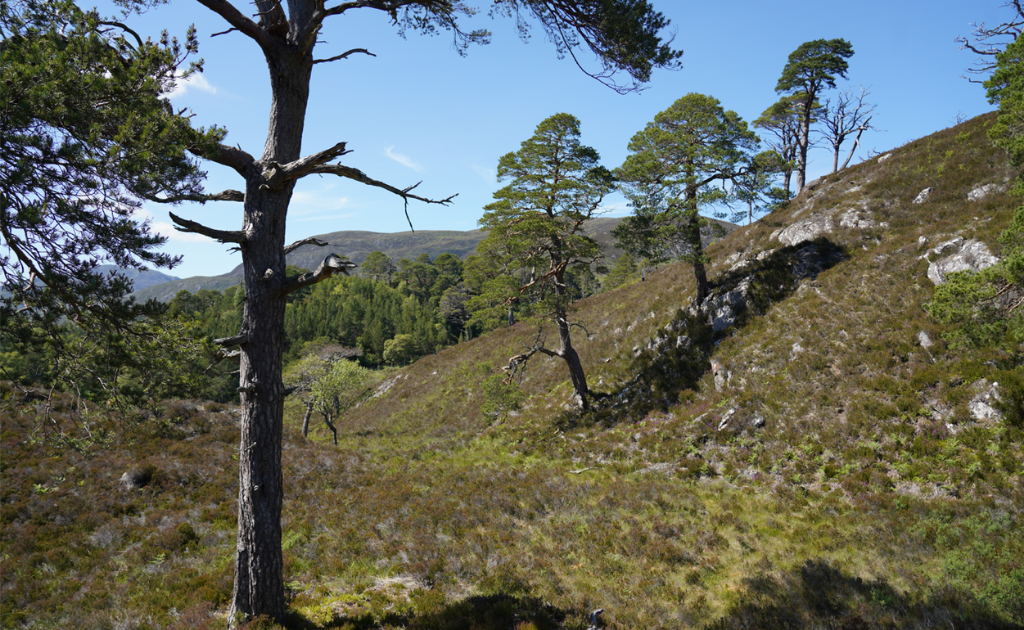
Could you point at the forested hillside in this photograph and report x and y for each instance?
(813, 449)
(356, 246)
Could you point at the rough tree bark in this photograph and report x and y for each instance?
(565, 351)
(269, 182)
(803, 142)
(258, 566)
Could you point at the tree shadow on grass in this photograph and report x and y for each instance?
(681, 353)
(818, 595)
(429, 610)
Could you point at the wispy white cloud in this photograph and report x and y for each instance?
(489, 174)
(306, 202)
(163, 228)
(195, 83)
(404, 160)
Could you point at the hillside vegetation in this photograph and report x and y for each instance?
(357, 245)
(827, 460)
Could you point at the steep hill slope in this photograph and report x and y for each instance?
(834, 404)
(821, 459)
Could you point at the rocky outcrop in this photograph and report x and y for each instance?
(982, 405)
(723, 310)
(824, 223)
(980, 192)
(923, 195)
(855, 219)
(806, 230)
(961, 255)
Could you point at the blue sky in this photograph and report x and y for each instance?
(418, 111)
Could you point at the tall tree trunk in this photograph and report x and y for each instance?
(259, 585)
(802, 145)
(565, 350)
(568, 354)
(700, 274)
(572, 360)
(692, 234)
(787, 176)
(305, 419)
(259, 580)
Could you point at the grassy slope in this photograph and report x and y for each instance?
(854, 506)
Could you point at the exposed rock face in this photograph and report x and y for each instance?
(856, 219)
(980, 192)
(137, 478)
(813, 259)
(807, 230)
(722, 375)
(925, 341)
(970, 255)
(738, 421)
(722, 310)
(923, 195)
(824, 222)
(981, 405)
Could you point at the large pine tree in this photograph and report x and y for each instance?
(556, 185)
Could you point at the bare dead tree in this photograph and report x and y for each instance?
(987, 42)
(849, 115)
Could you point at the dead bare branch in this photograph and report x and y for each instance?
(224, 236)
(306, 241)
(848, 115)
(331, 265)
(238, 21)
(223, 354)
(345, 55)
(359, 176)
(225, 195)
(232, 157)
(987, 42)
(228, 342)
(283, 173)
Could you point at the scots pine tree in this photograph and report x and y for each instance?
(556, 185)
(675, 169)
(812, 68)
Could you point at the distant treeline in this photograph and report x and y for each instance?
(432, 303)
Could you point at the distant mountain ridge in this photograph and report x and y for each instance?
(357, 245)
(140, 279)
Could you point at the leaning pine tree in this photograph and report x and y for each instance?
(556, 185)
(624, 36)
